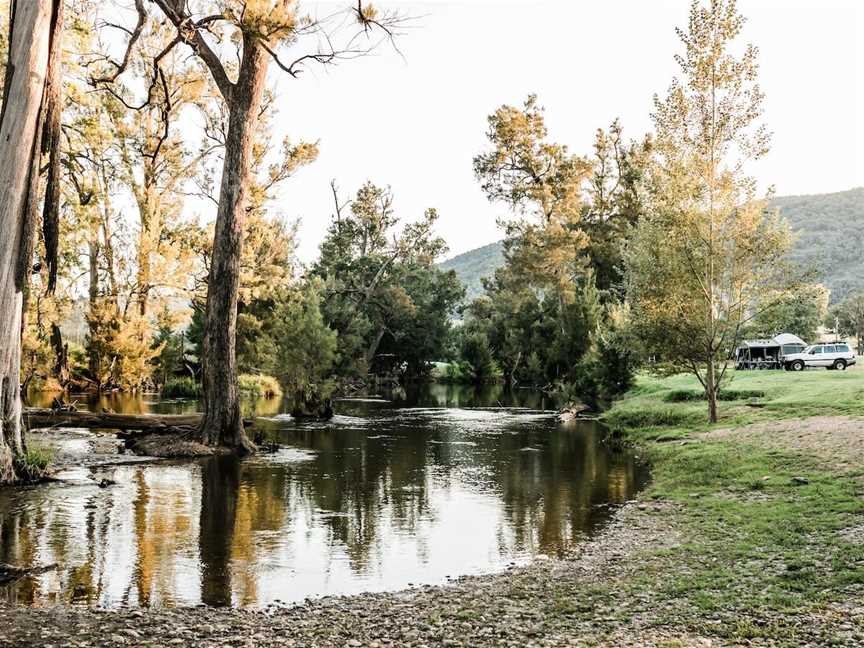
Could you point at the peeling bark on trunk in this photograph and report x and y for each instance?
(222, 424)
(24, 92)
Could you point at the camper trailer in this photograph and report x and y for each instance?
(766, 354)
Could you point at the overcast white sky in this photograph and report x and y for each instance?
(415, 123)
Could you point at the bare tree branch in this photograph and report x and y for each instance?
(134, 35)
(189, 32)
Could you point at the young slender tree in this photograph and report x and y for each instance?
(29, 128)
(707, 251)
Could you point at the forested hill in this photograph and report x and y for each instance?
(472, 266)
(830, 231)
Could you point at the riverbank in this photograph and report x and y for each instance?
(751, 533)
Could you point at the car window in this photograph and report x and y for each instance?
(842, 348)
(830, 349)
(815, 349)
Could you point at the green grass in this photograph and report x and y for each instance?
(33, 465)
(655, 416)
(756, 543)
(659, 402)
(757, 540)
(181, 388)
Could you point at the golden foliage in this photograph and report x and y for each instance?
(270, 20)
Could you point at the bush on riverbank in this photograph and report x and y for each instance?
(453, 373)
(181, 388)
(259, 386)
(33, 465)
(687, 395)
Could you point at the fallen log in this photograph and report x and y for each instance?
(148, 423)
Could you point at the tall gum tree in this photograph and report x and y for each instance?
(263, 31)
(542, 183)
(28, 128)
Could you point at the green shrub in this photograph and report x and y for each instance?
(477, 355)
(740, 394)
(259, 386)
(689, 395)
(33, 465)
(454, 373)
(683, 396)
(181, 388)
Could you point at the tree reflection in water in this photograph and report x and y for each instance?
(430, 485)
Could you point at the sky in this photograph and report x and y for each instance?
(415, 120)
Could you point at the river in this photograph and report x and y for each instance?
(397, 491)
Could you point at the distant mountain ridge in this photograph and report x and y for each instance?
(829, 227)
(473, 266)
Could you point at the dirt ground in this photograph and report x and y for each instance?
(837, 441)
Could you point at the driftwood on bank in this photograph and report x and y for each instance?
(573, 411)
(147, 423)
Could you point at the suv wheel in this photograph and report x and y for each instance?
(798, 365)
(840, 364)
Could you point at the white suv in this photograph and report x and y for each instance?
(831, 356)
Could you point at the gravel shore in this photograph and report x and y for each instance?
(589, 600)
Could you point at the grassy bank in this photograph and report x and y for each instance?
(773, 534)
(786, 395)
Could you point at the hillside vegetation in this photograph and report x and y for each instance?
(472, 266)
(830, 229)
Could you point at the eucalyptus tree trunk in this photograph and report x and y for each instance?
(222, 424)
(94, 363)
(372, 350)
(150, 219)
(151, 231)
(32, 26)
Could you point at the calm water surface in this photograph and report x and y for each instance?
(413, 489)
